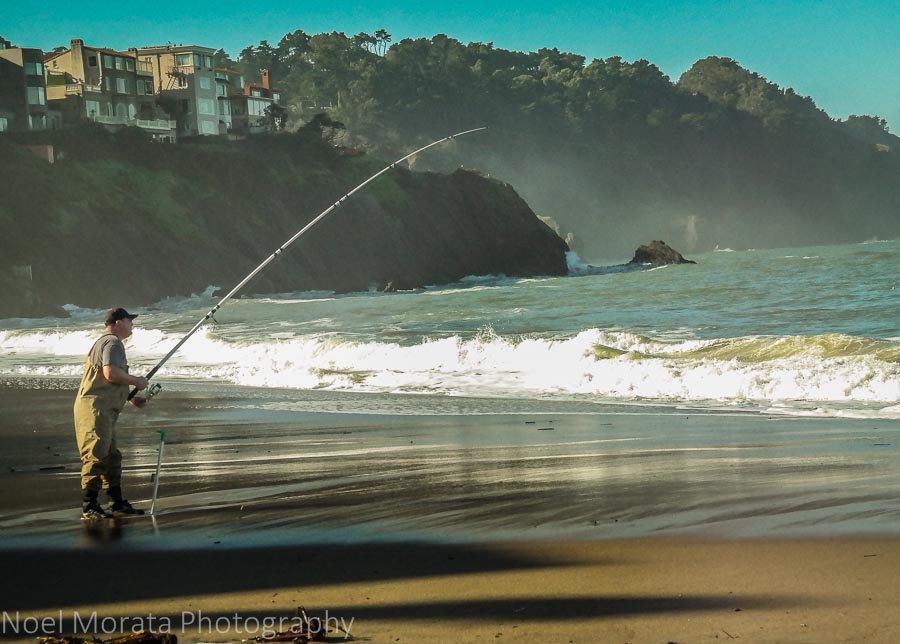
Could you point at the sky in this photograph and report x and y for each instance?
(842, 54)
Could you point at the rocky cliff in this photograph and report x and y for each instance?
(119, 220)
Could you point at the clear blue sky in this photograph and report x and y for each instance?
(844, 55)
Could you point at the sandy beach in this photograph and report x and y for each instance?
(558, 526)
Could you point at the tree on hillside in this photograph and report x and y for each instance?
(724, 81)
(870, 129)
(252, 60)
(222, 59)
(275, 117)
(323, 126)
(293, 48)
(612, 149)
(382, 38)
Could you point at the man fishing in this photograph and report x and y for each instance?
(101, 397)
(104, 385)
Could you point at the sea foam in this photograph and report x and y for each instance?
(594, 364)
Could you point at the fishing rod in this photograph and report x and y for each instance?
(290, 241)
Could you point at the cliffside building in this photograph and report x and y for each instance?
(264, 111)
(232, 104)
(23, 91)
(185, 83)
(109, 87)
(247, 108)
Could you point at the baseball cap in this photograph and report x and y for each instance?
(113, 315)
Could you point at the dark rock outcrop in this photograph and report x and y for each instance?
(658, 253)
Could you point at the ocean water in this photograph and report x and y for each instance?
(799, 331)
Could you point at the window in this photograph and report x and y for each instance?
(92, 61)
(206, 106)
(36, 122)
(132, 112)
(207, 60)
(205, 82)
(120, 63)
(107, 83)
(182, 81)
(34, 69)
(182, 60)
(122, 85)
(197, 60)
(109, 61)
(129, 64)
(276, 97)
(4, 124)
(221, 90)
(186, 107)
(37, 96)
(209, 127)
(255, 92)
(144, 87)
(92, 108)
(256, 108)
(224, 108)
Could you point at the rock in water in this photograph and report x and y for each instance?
(658, 253)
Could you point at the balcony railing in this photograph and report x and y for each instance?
(143, 67)
(158, 124)
(147, 124)
(78, 89)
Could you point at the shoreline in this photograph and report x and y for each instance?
(273, 466)
(520, 527)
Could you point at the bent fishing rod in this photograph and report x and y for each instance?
(284, 246)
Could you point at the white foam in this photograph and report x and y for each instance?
(58, 343)
(488, 364)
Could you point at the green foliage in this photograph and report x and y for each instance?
(121, 197)
(390, 194)
(870, 129)
(612, 149)
(725, 82)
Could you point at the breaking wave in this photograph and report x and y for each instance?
(791, 373)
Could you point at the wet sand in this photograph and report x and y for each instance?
(544, 526)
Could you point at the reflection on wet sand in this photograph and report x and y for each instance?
(269, 475)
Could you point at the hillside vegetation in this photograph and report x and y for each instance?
(615, 151)
(119, 219)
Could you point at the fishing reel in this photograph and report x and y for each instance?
(144, 396)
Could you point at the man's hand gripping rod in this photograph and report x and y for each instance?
(284, 246)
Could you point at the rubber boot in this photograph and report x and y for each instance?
(89, 498)
(115, 494)
(91, 509)
(120, 507)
